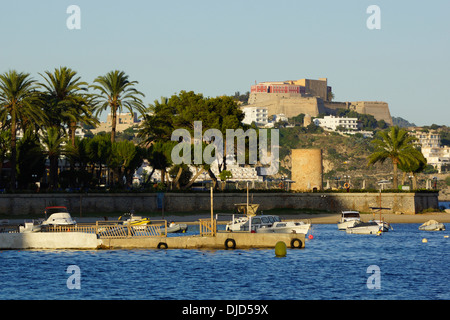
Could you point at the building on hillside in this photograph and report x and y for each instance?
(437, 155)
(332, 123)
(124, 121)
(430, 139)
(309, 96)
(257, 115)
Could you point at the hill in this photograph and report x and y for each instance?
(344, 157)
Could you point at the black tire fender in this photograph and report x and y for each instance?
(162, 245)
(230, 244)
(296, 243)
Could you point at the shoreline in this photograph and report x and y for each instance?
(324, 218)
(314, 218)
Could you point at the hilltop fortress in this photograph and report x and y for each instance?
(308, 96)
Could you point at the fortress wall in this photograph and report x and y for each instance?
(288, 104)
(291, 105)
(380, 110)
(103, 204)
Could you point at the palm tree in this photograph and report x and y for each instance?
(53, 143)
(414, 168)
(397, 145)
(66, 101)
(17, 97)
(116, 92)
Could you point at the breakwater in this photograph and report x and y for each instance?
(103, 203)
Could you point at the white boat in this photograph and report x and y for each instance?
(58, 216)
(348, 219)
(286, 227)
(432, 225)
(177, 227)
(251, 223)
(30, 226)
(240, 220)
(385, 226)
(364, 228)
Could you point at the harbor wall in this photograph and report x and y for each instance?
(79, 204)
(48, 240)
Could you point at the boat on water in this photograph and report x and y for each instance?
(177, 227)
(141, 223)
(286, 227)
(348, 219)
(58, 216)
(385, 226)
(138, 222)
(432, 225)
(370, 227)
(263, 223)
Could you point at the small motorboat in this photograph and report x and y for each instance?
(364, 228)
(432, 225)
(58, 216)
(30, 226)
(286, 227)
(177, 227)
(348, 219)
(385, 226)
(137, 222)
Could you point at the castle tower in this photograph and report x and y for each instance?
(307, 169)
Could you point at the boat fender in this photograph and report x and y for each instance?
(230, 244)
(296, 243)
(162, 245)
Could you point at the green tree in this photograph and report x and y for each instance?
(5, 149)
(394, 144)
(117, 92)
(30, 159)
(122, 154)
(224, 176)
(17, 106)
(99, 151)
(414, 167)
(65, 100)
(53, 143)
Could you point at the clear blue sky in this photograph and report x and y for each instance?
(219, 47)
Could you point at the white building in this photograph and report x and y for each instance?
(332, 122)
(438, 157)
(258, 115)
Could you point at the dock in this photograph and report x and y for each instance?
(134, 235)
(110, 235)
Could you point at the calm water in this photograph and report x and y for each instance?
(332, 266)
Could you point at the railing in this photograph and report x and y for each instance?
(113, 230)
(207, 228)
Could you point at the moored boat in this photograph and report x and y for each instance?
(286, 227)
(432, 225)
(348, 219)
(58, 216)
(364, 228)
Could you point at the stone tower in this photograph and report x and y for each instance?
(307, 169)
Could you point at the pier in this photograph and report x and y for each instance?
(109, 235)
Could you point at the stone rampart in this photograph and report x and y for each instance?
(103, 204)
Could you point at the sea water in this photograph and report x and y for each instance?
(333, 265)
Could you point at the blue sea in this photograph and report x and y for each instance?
(334, 265)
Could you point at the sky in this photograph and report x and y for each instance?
(220, 47)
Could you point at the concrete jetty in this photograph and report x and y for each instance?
(89, 241)
(221, 240)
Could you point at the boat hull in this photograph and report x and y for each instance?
(364, 228)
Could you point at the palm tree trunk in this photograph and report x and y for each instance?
(53, 172)
(13, 151)
(194, 178)
(113, 124)
(395, 163)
